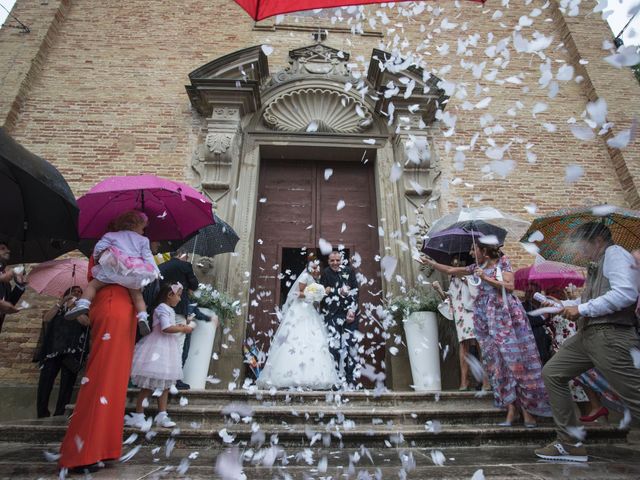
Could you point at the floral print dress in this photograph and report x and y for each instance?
(509, 351)
(462, 299)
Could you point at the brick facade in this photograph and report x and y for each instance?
(97, 88)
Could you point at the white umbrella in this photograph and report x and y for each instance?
(513, 225)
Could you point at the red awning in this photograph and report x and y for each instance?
(260, 9)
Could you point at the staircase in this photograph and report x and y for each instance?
(326, 419)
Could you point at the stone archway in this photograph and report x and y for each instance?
(248, 114)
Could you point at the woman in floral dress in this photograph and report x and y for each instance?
(509, 350)
(462, 297)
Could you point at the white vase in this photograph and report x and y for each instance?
(196, 368)
(421, 330)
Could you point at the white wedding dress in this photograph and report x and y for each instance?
(299, 355)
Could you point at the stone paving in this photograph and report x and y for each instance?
(610, 462)
(325, 436)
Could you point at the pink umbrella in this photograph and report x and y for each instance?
(175, 210)
(546, 275)
(55, 276)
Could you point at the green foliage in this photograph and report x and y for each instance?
(424, 300)
(222, 303)
(402, 306)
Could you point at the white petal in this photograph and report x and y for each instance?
(582, 132)
(573, 173)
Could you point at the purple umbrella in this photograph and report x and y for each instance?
(175, 210)
(442, 246)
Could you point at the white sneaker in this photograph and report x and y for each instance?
(163, 420)
(135, 420)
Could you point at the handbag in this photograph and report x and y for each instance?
(446, 310)
(73, 362)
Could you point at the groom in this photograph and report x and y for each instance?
(339, 309)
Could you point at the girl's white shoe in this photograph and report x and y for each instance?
(135, 420)
(163, 420)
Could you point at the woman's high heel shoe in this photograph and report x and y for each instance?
(603, 412)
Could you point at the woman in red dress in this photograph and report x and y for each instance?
(95, 431)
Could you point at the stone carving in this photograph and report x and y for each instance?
(315, 60)
(218, 143)
(329, 111)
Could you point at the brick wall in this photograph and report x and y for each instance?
(97, 88)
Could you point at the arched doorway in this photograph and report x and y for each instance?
(294, 157)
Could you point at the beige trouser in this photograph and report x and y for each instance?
(605, 347)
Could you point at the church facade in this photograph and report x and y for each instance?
(345, 128)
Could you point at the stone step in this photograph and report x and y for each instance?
(24, 461)
(613, 462)
(366, 397)
(298, 435)
(358, 414)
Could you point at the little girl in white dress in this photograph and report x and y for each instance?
(157, 360)
(123, 256)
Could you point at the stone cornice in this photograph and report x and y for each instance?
(426, 94)
(234, 79)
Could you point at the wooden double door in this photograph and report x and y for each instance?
(301, 202)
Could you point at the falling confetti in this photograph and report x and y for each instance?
(438, 458)
(327, 173)
(325, 247)
(635, 355)
(573, 173)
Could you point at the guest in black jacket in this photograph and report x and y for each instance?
(9, 296)
(63, 350)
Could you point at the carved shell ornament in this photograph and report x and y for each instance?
(317, 110)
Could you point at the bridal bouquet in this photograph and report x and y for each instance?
(314, 292)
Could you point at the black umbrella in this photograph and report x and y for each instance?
(453, 242)
(212, 240)
(39, 217)
(482, 227)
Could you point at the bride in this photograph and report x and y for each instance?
(299, 355)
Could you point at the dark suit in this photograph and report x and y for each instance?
(176, 270)
(334, 308)
(9, 295)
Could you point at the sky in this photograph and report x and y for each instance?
(617, 19)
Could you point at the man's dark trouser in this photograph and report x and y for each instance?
(48, 374)
(606, 347)
(343, 344)
(185, 348)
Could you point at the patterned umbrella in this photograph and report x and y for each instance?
(552, 233)
(212, 240)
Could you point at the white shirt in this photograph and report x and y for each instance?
(619, 267)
